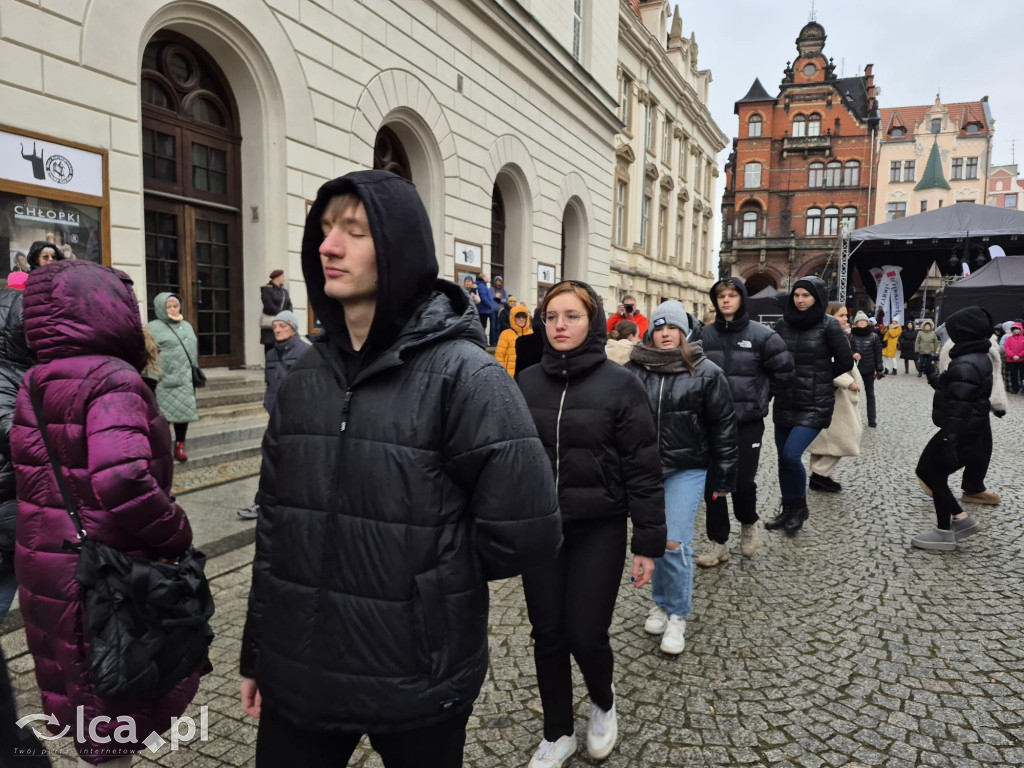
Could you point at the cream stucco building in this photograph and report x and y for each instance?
(665, 167)
(181, 140)
(932, 156)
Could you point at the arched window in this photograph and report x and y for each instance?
(813, 221)
(799, 125)
(815, 174)
(898, 133)
(750, 224)
(833, 173)
(849, 219)
(752, 175)
(390, 155)
(831, 222)
(851, 174)
(814, 125)
(754, 126)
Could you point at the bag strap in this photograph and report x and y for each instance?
(183, 347)
(68, 504)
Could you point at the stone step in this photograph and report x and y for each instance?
(227, 414)
(234, 395)
(218, 454)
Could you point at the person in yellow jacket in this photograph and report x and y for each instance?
(519, 321)
(890, 345)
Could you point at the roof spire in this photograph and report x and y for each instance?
(932, 178)
(813, 15)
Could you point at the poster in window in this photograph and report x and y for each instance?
(25, 219)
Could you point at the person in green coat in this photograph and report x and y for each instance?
(179, 351)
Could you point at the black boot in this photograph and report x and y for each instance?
(800, 514)
(782, 519)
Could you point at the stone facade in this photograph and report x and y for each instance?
(1005, 189)
(799, 171)
(479, 94)
(910, 180)
(665, 166)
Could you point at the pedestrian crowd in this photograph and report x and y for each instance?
(405, 466)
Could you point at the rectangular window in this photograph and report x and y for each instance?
(708, 176)
(577, 28)
(972, 167)
(813, 226)
(645, 220)
(751, 176)
(936, 124)
(750, 224)
(958, 168)
(894, 170)
(663, 232)
(693, 242)
(940, 203)
(666, 143)
(680, 226)
(924, 206)
(1010, 201)
(684, 153)
(621, 195)
(626, 100)
(159, 156)
(649, 129)
(895, 211)
(697, 163)
(908, 170)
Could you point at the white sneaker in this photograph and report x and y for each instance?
(656, 622)
(602, 732)
(674, 639)
(552, 754)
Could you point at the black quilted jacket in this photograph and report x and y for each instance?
(15, 359)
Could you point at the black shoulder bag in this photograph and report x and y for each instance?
(147, 622)
(198, 377)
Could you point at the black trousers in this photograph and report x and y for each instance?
(744, 499)
(977, 460)
(570, 602)
(281, 743)
(1016, 375)
(936, 465)
(868, 374)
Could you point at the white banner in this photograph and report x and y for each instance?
(49, 164)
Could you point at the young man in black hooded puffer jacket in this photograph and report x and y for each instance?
(960, 409)
(401, 471)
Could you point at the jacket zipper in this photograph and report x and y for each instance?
(661, 395)
(345, 408)
(558, 437)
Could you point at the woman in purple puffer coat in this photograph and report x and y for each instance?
(82, 320)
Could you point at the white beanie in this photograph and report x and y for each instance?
(860, 316)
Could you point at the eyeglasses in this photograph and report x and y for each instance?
(569, 318)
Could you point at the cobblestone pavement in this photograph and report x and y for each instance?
(841, 646)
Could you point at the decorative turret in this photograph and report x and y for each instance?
(933, 177)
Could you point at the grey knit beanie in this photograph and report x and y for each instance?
(672, 313)
(287, 316)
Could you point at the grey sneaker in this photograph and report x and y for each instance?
(249, 513)
(750, 540)
(713, 554)
(965, 527)
(936, 539)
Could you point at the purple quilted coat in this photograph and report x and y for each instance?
(82, 320)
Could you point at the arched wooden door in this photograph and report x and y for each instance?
(192, 193)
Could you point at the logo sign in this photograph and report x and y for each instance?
(49, 164)
(124, 733)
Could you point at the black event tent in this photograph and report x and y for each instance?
(998, 287)
(914, 242)
(767, 301)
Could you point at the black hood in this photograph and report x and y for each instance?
(740, 320)
(587, 355)
(969, 324)
(13, 345)
(406, 263)
(813, 315)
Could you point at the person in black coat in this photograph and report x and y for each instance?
(15, 360)
(530, 346)
(804, 407)
(754, 358)
(692, 406)
(960, 409)
(391, 490)
(593, 418)
(275, 298)
(867, 352)
(906, 345)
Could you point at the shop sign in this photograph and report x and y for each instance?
(50, 164)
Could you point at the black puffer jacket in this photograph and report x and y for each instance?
(820, 351)
(865, 342)
(15, 359)
(280, 360)
(387, 501)
(753, 357)
(593, 418)
(906, 342)
(694, 416)
(961, 402)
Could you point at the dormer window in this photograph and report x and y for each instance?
(898, 133)
(809, 70)
(936, 125)
(973, 128)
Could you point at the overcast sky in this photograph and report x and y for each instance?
(919, 48)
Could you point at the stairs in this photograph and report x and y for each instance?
(231, 418)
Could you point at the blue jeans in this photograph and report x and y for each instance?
(672, 583)
(8, 589)
(791, 443)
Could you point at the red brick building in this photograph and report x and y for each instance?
(801, 168)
